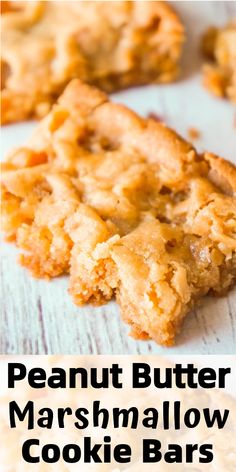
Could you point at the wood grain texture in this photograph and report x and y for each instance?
(38, 317)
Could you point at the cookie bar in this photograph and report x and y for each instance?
(219, 46)
(126, 207)
(110, 44)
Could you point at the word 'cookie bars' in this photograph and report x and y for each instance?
(126, 207)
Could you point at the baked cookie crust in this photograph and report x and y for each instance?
(113, 45)
(126, 207)
(219, 46)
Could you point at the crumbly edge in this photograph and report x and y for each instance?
(116, 122)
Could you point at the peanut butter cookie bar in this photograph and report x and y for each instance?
(219, 76)
(126, 207)
(110, 44)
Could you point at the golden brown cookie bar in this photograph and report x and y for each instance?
(126, 207)
(110, 44)
(219, 46)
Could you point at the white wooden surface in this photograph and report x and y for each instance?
(38, 317)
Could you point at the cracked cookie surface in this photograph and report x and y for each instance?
(126, 207)
(46, 44)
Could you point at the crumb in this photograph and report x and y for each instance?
(193, 133)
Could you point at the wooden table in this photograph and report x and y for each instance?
(38, 317)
